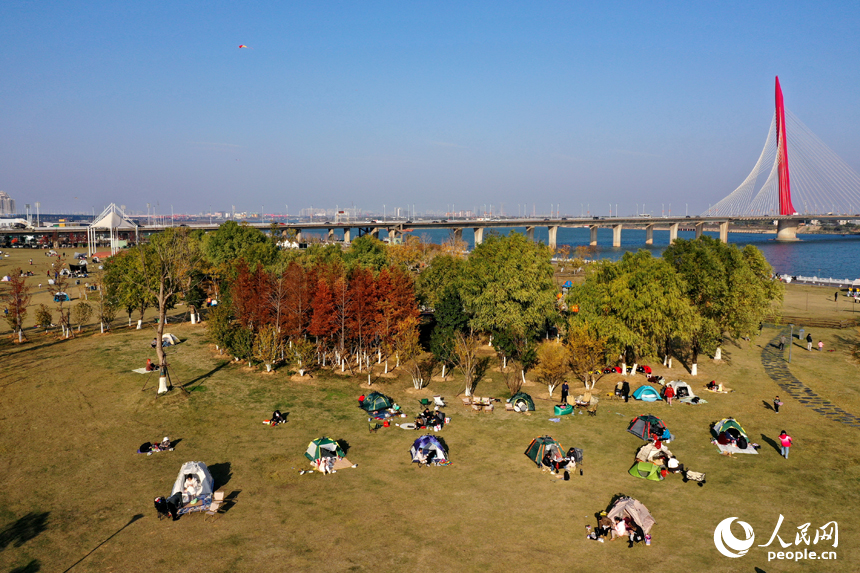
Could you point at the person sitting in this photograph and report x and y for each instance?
(619, 529)
(164, 446)
(278, 418)
(154, 343)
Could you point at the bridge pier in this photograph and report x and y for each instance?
(458, 234)
(700, 227)
(346, 235)
(673, 232)
(786, 229)
(299, 237)
(479, 235)
(593, 229)
(374, 232)
(530, 233)
(616, 235)
(330, 237)
(649, 234)
(553, 233)
(394, 236)
(724, 232)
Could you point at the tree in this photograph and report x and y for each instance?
(242, 344)
(44, 318)
(587, 353)
(466, 358)
(123, 276)
(450, 320)
(219, 327)
(323, 318)
(60, 295)
(508, 286)
(361, 317)
(81, 313)
(366, 251)
(106, 302)
(444, 271)
(732, 289)
(267, 346)
(637, 304)
(305, 352)
(169, 262)
(553, 364)
(17, 299)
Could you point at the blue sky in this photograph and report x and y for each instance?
(402, 103)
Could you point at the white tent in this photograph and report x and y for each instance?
(168, 339)
(112, 219)
(648, 452)
(194, 480)
(680, 387)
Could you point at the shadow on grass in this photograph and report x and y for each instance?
(771, 443)
(344, 445)
(23, 530)
(30, 567)
(221, 474)
(230, 500)
(767, 405)
(204, 376)
(130, 521)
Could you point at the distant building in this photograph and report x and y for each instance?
(7, 204)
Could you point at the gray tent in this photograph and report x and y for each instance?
(633, 508)
(200, 483)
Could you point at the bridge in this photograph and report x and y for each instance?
(819, 186)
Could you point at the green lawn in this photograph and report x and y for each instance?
(73, 415)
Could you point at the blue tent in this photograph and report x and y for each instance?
(646, 394)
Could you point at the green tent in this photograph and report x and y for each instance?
(729, 424)
(539, 446)
(646, 470)
(521, 398)
(376, 401)
(323, 448)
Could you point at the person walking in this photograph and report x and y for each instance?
(820, 346)
(835, 295)
(565, 390)
(809, 342)
(776, 404)
(784, 443)
(781, 342)
(625, 390)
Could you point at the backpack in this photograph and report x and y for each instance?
(144, 448)
(742, 443)
(161, 507)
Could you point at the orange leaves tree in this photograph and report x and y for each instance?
(17, 299)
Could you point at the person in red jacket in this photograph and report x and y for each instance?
(784, 443)
(669, 394)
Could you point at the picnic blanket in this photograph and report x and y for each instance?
(728, 449)
(407, 426)
(689, 400)
(142, 370)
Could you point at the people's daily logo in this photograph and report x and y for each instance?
(731, 546)
(727, 543)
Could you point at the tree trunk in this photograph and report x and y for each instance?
(633, 370)
(623, 369)
(443, 371)
(718, 355)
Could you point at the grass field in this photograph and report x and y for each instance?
(73, 415)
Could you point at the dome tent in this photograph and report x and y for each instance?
(540, 446)
(646, 426)
(196, 485)
(428, 449)
(522, 402)
(646, 470)
(376, 401)
(632, 508)
(323, 448)
(646, 394)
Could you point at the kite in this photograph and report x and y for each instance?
(244, 46)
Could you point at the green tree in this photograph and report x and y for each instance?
(733, 290)
(508, 286)
(637, 304)
(44, 317)
(450, 320)
(267, 346)
(123, 276)
(444, 272)
(367, 251)
(587, 353)
(553, 364)
(81, 313)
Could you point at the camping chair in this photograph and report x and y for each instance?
(467, 401)
(214, 507)
(439, 401)
(372, 425)
(489, 408)
(509, 407)
(424, 402)
(592, 407)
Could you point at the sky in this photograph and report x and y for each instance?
(525, 106)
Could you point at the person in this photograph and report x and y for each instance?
(619, 529)
(154, 342)
(669, 393)
(278, 418)
(149, 366)
(809, 341)
(776, 404)
(820, 346)
(565, 390)
(361, 400)
(784, 443)
(625, 390)
(835, 295)
(781, 342)
(604, 525)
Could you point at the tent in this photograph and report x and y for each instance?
(648, 452)
(196, 485)
(61, 297)
(646, 394)
(728, 430)
(522, 402)
(540, 446)
(646, 470)
(633, 508)
(323, 448)
(428, 450)
(168, 339)
(376, 401)
(682, 389)
(647, 425)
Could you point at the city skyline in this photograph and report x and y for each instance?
(392, 106)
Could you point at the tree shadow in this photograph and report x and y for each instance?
(481, 369)
(771, 443)
(767, 405)
(24, 529)
(221, 474)
(130, 521)
(31, 567)
(205, 376)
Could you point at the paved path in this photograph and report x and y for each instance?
(777, 368)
